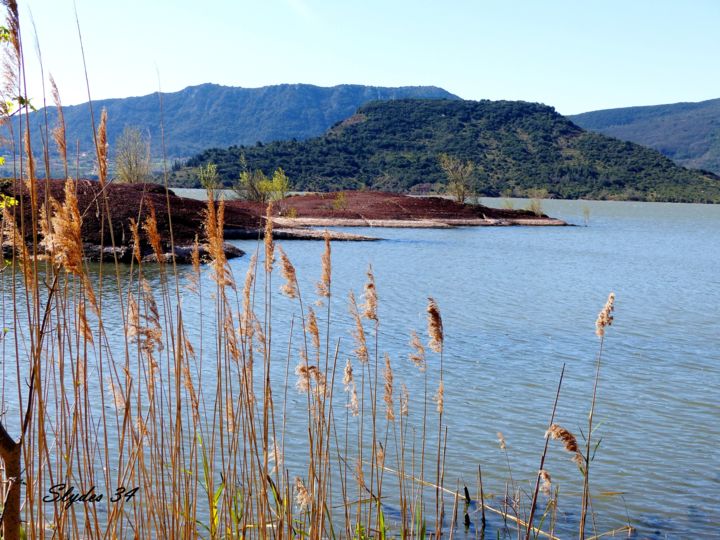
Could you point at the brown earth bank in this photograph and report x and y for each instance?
(245, 219)
(126, 202)
(123, 202)
(363, 208)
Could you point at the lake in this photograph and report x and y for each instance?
(519, 302)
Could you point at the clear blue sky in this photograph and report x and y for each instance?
(577, 55)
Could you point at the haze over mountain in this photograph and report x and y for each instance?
(208, 115)
(688, 133)
(517, 146)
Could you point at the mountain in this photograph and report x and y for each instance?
(687, 133)
(208, 115)
(517, 147)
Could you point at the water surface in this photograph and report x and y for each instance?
(517, 304)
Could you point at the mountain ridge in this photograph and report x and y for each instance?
(205, 115)
(686, 132)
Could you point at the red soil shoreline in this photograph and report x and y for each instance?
(378, 205)
(244, 219)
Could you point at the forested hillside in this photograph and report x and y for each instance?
(517, 147)
(688, 133)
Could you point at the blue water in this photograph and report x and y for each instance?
(518, 303)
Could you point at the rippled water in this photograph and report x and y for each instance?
(517, 304)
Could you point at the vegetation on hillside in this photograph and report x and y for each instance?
(516, 147)
(687, 133)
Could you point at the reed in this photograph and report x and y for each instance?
(180, 422)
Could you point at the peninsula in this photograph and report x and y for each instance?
(107, 215)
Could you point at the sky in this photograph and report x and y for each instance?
(576, 56)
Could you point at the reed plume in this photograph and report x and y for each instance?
(62, 238)
(118, 396)
(13, 26)
(313, 329)
(80, 373)
(323, 286)
(303, 372)
(440, 397)
(369, 307)
(30, 180)
(359, 474)
(569, 441)
(259, 335)
(501, 440)
(59, 132)
(380, 455)
(388, 395)
(136, 240)
(190, 388)
(144, 327)
(195, 256)
(11, 236)
(605, 317)
(84, 326)
(287, 271)
(351, 388)
(62, 235)
(133, 318)
(194, 276)
(417, 357)
(231, 341)
(269, 244)
(275, 456)
(435, 326)
(302, 497)
(230, 414)
(151, 230)
(354, 403)
(546, 482)
(247, 313)
(307, 374)
(361, 351)
(214, 226)
(404, 400)
(102, 148)
(348, 375)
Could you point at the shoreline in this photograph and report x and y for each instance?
(417, 223)
(109, 214)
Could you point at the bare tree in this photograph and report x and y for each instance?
(132, 157)
(460, 176)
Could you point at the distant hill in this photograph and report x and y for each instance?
(208, 115)
(687, 133)
(518, 146)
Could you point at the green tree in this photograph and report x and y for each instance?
(209, 179)
(460, 176)
(280, 184)
(253, 185)
(132, 157)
